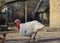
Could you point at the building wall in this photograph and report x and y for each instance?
(55, 13)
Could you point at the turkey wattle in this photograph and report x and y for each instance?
(28, 28)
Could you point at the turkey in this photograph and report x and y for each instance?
(28, 28)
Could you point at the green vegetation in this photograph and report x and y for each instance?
(46, 25)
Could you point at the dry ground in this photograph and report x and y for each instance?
(52, 36)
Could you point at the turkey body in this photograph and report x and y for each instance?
(31, 27)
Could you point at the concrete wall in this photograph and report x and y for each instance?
(55, 13)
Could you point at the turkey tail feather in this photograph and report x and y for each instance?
(37, 26)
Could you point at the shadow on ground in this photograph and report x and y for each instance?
(38, 41)
(47, 40)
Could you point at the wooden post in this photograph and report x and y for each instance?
(26, 11)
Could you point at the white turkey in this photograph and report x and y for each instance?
(28, 28)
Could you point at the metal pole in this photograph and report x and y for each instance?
(7, 16)
(26, 11)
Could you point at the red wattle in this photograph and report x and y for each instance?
(18, 28)
(18, 25)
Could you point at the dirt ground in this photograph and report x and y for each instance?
(41, 37)
(44, 36)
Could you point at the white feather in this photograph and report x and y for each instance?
(30, 27)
